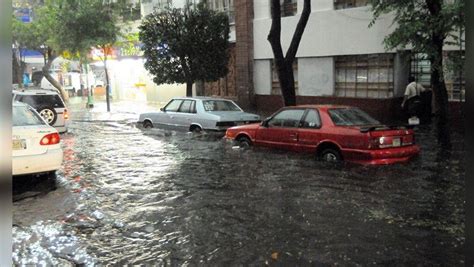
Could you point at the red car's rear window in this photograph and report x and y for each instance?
(351, 117)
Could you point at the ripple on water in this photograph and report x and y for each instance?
(161, 196)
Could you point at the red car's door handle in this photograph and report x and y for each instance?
(294, 136)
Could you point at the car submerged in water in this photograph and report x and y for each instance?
(196, 114)
(331, 132)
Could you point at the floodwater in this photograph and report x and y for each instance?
(131, 196)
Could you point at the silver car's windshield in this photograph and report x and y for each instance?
(220, 105)
(24, 116)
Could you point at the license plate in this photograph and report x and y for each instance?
(396, 142)
(18, 144)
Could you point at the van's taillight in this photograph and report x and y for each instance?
(50, 139)
(66, 115)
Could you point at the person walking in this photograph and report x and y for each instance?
(412, 101)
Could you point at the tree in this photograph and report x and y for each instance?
(39, 35)
(284, 64)
(186, 45)
(425, 26)
(20, 38)
(86, 24)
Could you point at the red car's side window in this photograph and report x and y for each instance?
(287, 118)
(312, 120)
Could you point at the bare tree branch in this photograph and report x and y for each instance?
(274, 37)
(295, 41)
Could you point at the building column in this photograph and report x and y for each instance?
(244, 53)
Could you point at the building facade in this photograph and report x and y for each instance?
(340, 59)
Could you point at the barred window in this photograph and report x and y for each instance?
(343, 4)
(365, 76)
(226, 6)
(288, 7)
(276, 89)
(454, 76)
(420, 69)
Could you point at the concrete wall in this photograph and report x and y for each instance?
(328, 32)
(262, 77)
(316, 76)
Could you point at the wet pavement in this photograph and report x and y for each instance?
(131, 196)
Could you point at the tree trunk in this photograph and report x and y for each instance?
(437, 78)
(287, 83)
(284, 65)
(50, 79)
(17, 71)
(189, 88)
(200, 88)
(441, 95)
(107, 82)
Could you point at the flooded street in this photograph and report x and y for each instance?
(130, 196)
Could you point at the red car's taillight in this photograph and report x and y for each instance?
(50, 139)
(66, 115)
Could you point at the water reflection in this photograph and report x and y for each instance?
(132, 196)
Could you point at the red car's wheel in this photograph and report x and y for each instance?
(330, 155)
(244, 142)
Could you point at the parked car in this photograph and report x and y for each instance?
(48, 103)
(198, 113)
(35, 144)
(332, 133)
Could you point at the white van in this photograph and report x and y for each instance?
(71, 81)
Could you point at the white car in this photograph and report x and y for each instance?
(36, 145)
(198, 113)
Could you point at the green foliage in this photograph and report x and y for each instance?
(85, 24)
(416, 23)
(68, 25)
(185, 45)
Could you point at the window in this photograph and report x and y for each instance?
(343, 4)
(38, 101)
(187, 107)
(226, 6)
(312, 119)
(351, 117)
(173, 105)
(23, 116)
(420, 68)
(453, 73)
(276, 82)
(365, 76)
(220, 105)
(287, 118)
(288, 7)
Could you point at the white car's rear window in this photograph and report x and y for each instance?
(220, 105)
(24, 116)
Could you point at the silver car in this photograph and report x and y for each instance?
(198, 113)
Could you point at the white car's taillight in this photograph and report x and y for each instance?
(50, 139)
(66, 114)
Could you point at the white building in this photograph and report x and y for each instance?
(340, 59)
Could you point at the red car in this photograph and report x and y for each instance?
(332, 132)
